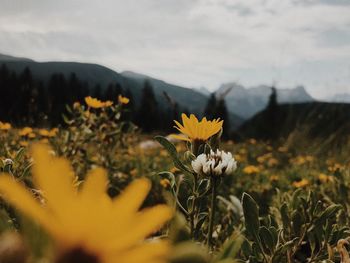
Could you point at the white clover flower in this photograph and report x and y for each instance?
(7, 162)
(217, 163)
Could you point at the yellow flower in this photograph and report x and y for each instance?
(301, 183)
(165, 183)
(123, 100)
(274, 178)
(47, 133)
(23, 143)
(272, 162)
(325, 178)
(25, 131)
(251, 169)
(5, 126)
(197, 130)
(87, 224)
(96, 103)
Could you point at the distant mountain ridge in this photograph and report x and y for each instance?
(94, 74)
(246, 102)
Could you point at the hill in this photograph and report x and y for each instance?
(315, 119)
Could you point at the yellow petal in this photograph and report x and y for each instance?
(95, 184)
(24, 201)
(133, 196)
(145, 223)
(55, 177)
(155, 252)
(179, 137)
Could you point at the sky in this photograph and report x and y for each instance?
(192, 43)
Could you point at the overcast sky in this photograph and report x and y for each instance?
(191, 42)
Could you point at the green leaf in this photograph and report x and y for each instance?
(285, 216)
(231, 247)
(171, 149)
(266, 239)
(297, 221)
(295, 198)
(251, 215)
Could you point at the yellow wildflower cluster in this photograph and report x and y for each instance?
(96, 103)
(48, 133)
(302, 159)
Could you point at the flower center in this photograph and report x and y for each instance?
(77, 255)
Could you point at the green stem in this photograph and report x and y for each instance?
(212, 211)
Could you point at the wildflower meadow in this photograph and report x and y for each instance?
(97, 190)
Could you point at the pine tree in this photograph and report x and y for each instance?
(210, 109)
(147, 115)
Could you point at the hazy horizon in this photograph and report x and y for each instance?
(191, 43)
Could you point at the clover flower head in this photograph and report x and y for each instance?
(217, 163)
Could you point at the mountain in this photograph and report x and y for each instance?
(195, 100)
(94, 74)
(203, 90)
(315, 119)
(187, 98)
(4, 57)
(246, 102)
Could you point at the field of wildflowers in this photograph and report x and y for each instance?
(99, 191)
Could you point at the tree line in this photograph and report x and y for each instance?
(26, 100)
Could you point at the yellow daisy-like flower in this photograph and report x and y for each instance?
(123, 100)
(96, 103)
(86, 224)
(5, 126)
(197, 130)
(302, 183)
(25, 131)
(251, 169)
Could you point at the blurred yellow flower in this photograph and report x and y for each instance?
(174, 170)
(23, 143)
(251, 169)
(76, 105)
(5, 126)
(283, 149)
(272, 162)
(48, 133)
(301, 183)
(96, 103)
(123, 100)
(325, 178)
(31, 135)
(116, 230)
(165, 183)
(335, 167)
(25, 131)
(274, 178)
(197, 130)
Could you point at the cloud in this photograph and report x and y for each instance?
(191, 42)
